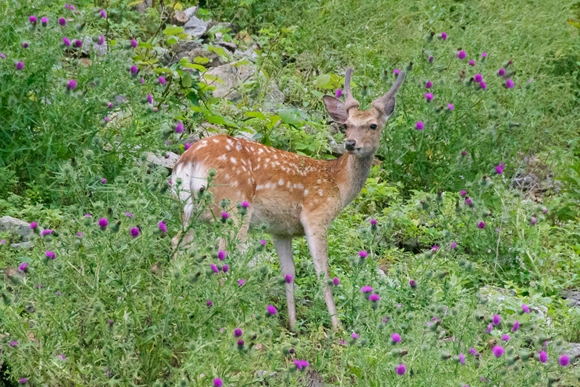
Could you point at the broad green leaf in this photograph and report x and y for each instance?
(172, 40)
(173, 30)
(145, 45)
(241, 63)
(212, 78)
(259, 115)
(200, 59)
(134, 3)
(194, 66)
(289, 117)
(186, 80)
(323, 81)
(218, 50)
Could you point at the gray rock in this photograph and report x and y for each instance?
(142, 7)
(573, 297)
(119, 99)
(195, 27)
(166, 162)
(190, 12)
(23, 245)
(572, 349)
(16, 226)
(100, 49)
(191, 50)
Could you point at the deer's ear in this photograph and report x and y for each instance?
(335, 108)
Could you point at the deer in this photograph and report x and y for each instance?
(292, 195)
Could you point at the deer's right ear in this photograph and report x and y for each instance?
(335, 108)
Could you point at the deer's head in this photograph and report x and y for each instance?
(363, 127)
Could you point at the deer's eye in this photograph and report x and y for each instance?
(373, 126)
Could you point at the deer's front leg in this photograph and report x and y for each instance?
(283, 247)
(317, 238)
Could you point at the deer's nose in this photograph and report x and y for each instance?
(349, 144)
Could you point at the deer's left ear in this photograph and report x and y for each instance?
(335, 108)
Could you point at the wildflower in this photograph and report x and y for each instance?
(354, 335)
(50, 255)
(72, 84)
(271, 309)
(499, 168)
(103, 180)
(162, 226)
(463, 153)
(150, 99)
(363, 254)
(483, 85)
(245, 204)
(162, 80)
(516, 326)
(489, 329)
(469, 201)
(461, 358)
(509, 84)
(450, 106)
(564, 360)
(129, 215)
(225, 216)
(241, 282)
(444, 35)
(496, 317)
(543, 356)
(135, 232)
(80, 234)
(481, 225)
(186, 146)
(78, 43)
(33, 225)
(44, 21)
(134, 69)
(471, 62)
(225, 268)
(395, 338)
(435, 248)
(301, 364)
(62, 21)
(291, 351)
(478, 77)
(240, 343)
(103, 223)
(533, 221)
(505, 337)
(335, 281)
(473, 351)
(501, 72)
(46, 232)
(401, 369)
(338, 93)
(288, 278)
(25, 45)
(525, 308)
(429, 97)
(134, 43)
(498, 351)
(101, 40)
(263, 242)
(19, 66)
(419, 125)
(23, 267)
(142, 81)
(429, 84)
(103, 13)
(217, 382)
(214, 268)
(544, 210)
(374, 297)
(484, 55)
(461, 54)
(22, 381)
(33, 19)
(209, 303)
(238, 332)
(413, 283)
(221, 255)
(373, 222)
(396, 72)
(2, 241)
(462, 192)
(430, 59)
(13, 344)
(366, 289)
(2, 55)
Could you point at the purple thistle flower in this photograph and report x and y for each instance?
(263, 242)
(162, 226)
(444, 35)
(19, 66)
(72, 84)
(150, 99)
(134, 43)
(33, 19)
(543, 356)
(240, 343)
(186, 146)
(544, 210)
(238, 332)
(481, 225)
(80, 234)
(103, 180)
(505, 337)
(429, 97)
(33, 225)
(461, 54)
(225, 268)
(142, 81)
(209, 303)
(363, 254)
(499, 168)
(509, 84)
(471, 62)
(134, 69)
(450, 106)
(374, 297)
(221, 255)
(179, 127)
(373, 222)
(62, 21)
(430, 59)
(396, 72)
(241, 282)
(288, 278)
(564, 360)
(396, 338)
(496, 317)
(516, 326)
(162, 80)
(335, 281)
(101, 40)
(354, 335)
(429, 84)
(461, 358)
(419, 125)
(129, 215)
(483, 85)
(22, 381)
(50, 255)
(135, 232)
(413, 283)
(66, 6)
(217, 382)
(468, 201)
(23, 267)
(489, 329)
(103, 223)
(214, 268)
(245, 204)
(13, 344)
(525, 308)
(46, 232)
(400, 369)
(103, 13)
(366, 289)
(498, 351)
(338, 93)
(462, 193)
(78, 43)
(501, 72)
(2, 241)
(484, 55)
(44, 21)
(107, 120)
(463, 153)
(225, 215)
(478, 77)
(25, 45)
(2, 55)
(435, 248)
(271, 309)
(533, 221)
(301, 364)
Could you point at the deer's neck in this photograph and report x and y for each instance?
(350, 173)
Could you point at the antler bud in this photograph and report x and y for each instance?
(349, 101)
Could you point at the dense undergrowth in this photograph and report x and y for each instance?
(474, 266)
